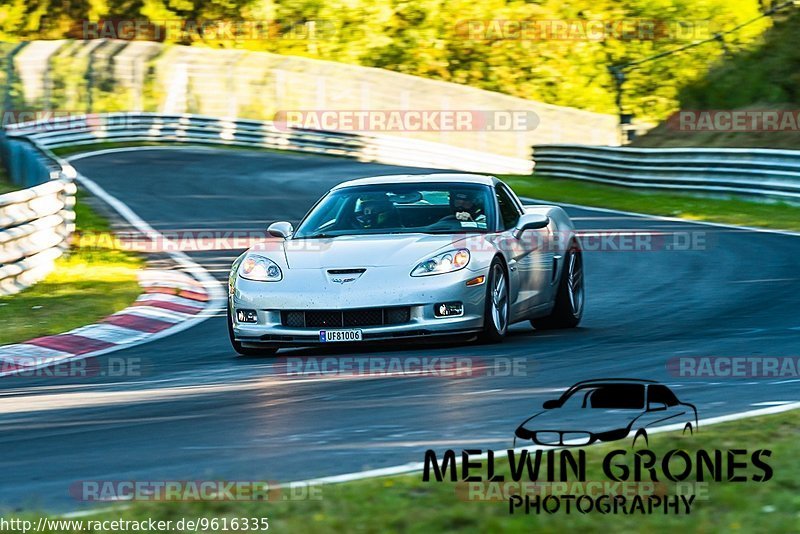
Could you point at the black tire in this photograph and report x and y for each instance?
(570, 295)
(264, 350)
(495, 320)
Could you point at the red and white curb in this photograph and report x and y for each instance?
(168, 301)
(172, 301)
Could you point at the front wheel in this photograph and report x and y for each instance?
(265, 350)
(570, 295)
(496, 313)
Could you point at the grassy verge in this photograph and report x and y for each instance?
(406, 504)
(730, 210)
(5, 185)
(89, 283)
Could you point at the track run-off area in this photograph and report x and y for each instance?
(194, 409)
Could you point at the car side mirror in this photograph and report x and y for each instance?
(280, 229)
(530, 221)
(552, 403)
(656, 406)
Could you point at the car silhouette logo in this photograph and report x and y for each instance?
(607, 409)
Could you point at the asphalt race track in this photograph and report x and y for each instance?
(199, 411)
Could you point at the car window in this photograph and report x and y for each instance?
(607, 396)
(509, 213)
(398, 208)
(663, 394)
(618, 396)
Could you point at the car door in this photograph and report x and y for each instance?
(524, 253)
(527, 254)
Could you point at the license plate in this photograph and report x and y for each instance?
(331, 336)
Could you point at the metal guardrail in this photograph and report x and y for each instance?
(35, 223)
(740, 170)
(198, 129)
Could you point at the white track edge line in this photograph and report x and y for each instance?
(214, 288)
(663, 217)
(419, 466)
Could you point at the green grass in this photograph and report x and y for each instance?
(406, 504)
(5, 185)
(729, 210)
(89, 283)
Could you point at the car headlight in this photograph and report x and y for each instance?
(446, 262)
(260, 269)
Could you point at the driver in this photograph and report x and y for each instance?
(467, 206)
(376, 213)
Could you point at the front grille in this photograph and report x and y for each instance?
(346, 318)
(323, 318)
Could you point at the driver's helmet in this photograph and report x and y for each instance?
(469, 201)
(375, 213)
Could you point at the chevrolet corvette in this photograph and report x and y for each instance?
(409, 256)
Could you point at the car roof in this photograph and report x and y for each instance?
(480, 179)
(613, 381)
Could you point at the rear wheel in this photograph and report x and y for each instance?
(265, 350)
(570, 296)
(496, 313)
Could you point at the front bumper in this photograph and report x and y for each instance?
(308, 289)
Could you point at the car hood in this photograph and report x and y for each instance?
(366, 250)
(594, 420)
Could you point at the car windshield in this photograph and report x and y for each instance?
(607, 396)
(439, 208)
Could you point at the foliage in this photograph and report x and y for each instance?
(771, 72)
(461, 41)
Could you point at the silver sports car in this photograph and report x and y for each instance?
(411, 256)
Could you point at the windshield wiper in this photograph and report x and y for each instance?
(321, 235)
(461, 231)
